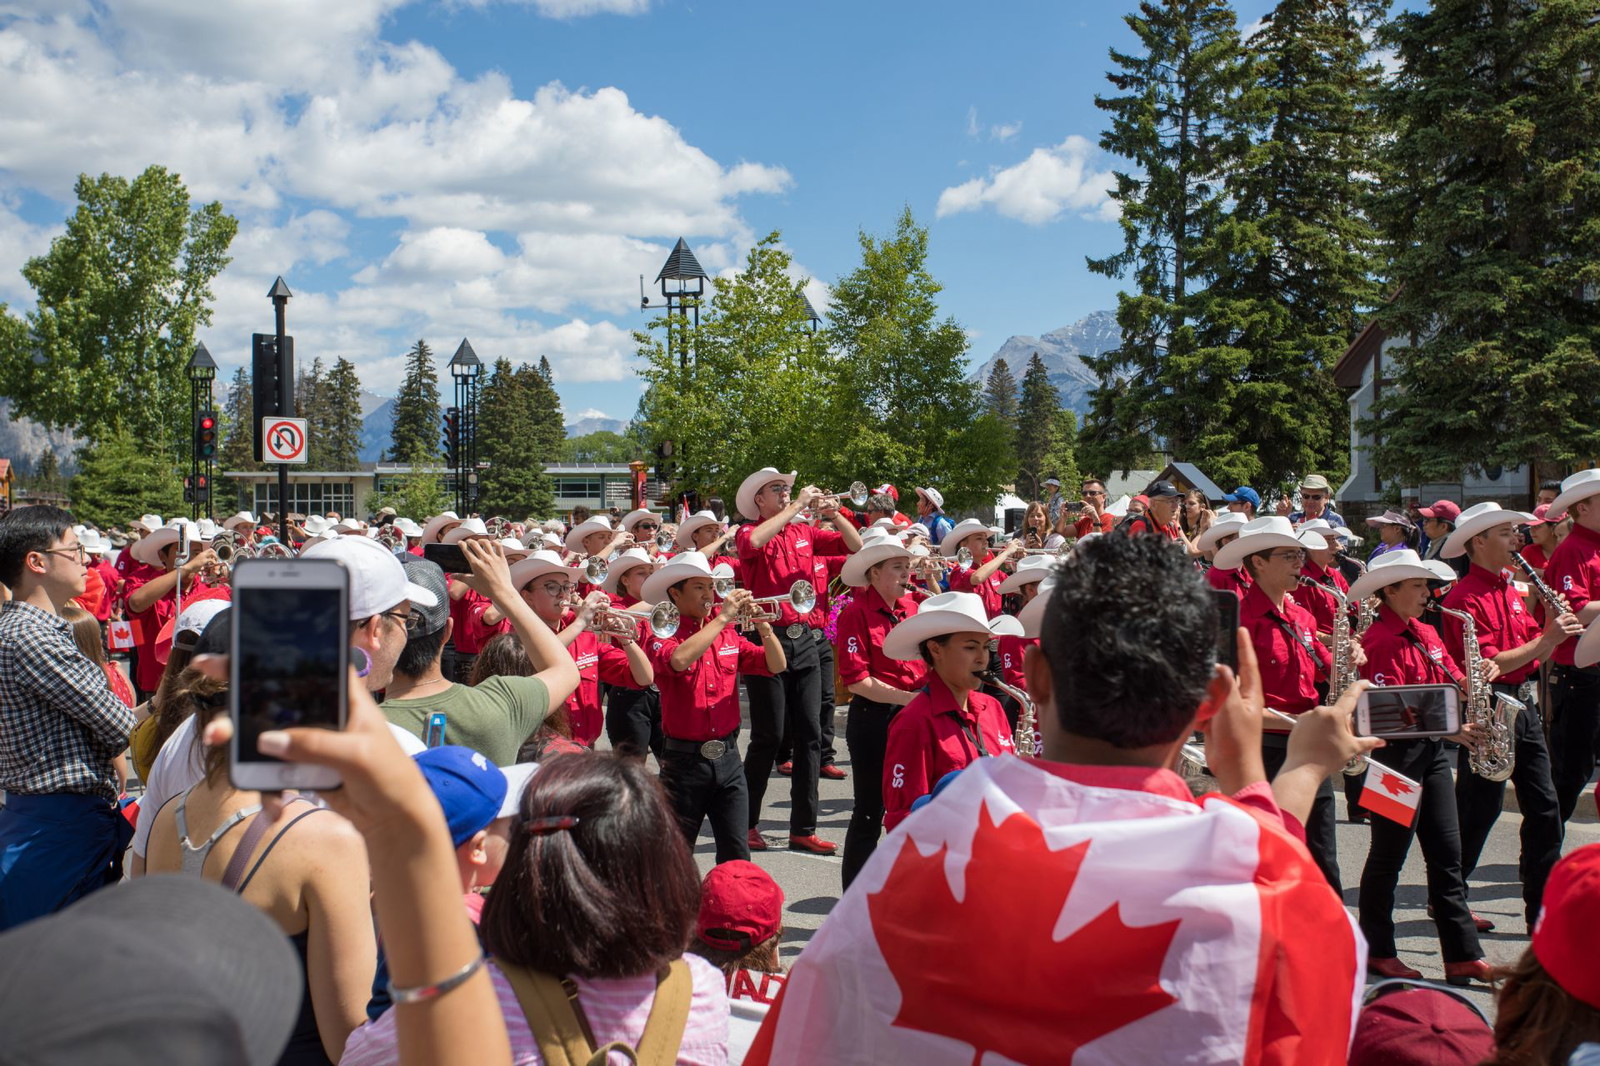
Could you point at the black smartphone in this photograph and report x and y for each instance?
(450, 558)
(289, 665)
(1227, 628)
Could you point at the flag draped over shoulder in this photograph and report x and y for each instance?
(1022, 917)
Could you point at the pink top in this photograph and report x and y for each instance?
(616, 1009)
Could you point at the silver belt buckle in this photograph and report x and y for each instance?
(794, 631)
(713, 750)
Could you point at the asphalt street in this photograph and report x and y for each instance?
(811, 882)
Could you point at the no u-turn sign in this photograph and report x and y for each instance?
(283, 440)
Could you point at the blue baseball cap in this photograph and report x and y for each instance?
(467, 785)
(1244, 494)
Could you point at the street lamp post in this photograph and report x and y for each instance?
(466, 369)
(682, 302)
(202, 372)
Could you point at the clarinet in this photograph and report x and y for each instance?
(1553, 600)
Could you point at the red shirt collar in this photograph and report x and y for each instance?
(941, 699)
(1314, 570)
(904, 605)
(1584, 533)
(1155, 780)
(1257, 602)
(1387, 619)
(1494, 579)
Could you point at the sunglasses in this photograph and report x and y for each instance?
(647, 525)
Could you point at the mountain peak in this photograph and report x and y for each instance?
(1062, 351)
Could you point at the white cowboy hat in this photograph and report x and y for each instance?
(633, 518)
(1394, 566)
(679, 568)
(1119, 509)
(1264, 534)
(350, 527)
(207, 529)
(1225, 524)
(1587, 653)
(316, 525)
(1327, 531)
(876, 546)
(1579, 486)
(470, 527)
(93, 542)
(745, 498)
(1031, 568)
(948, 612)
(536, 565)
(148, 549)
(1475, 520)
(516, 551)
(934, 497)
(437, 525)
(149, 523)
(1032, 614)
(686, 529)
(963, 529)
(243, 518)
(407, 527)
(628, 560)
(598, 524)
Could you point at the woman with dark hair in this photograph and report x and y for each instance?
(597, 899)
(1194, 514)
(86, 632)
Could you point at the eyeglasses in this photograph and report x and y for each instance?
(76, 552)
(410, 619)
(1288, 556)
(1313, 496)
(1093, 492)
(552, 589)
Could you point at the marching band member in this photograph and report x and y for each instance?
(879, 685)
(705, 533)
(1031, 571)
(643, 525)
(466, 638)
(545, 583)
(1320, 568)
(437, 526)
(931, 516)
(243, 526)
(1507, 635)
(633, 711)
(1290, 657)
(774, 553)
(593, 538)
(1222, 533)
(1316, 501)
(697, 669)
(983, 577)
(1574, 572)
(149, 599)
(1402, 650)
(949, 723)
(94, 547)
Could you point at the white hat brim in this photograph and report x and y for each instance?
(1026, 575)
(680, 568)
(904, 639)
(745, 498)
(1379, 577)
(1231, 556)
(854, 571)
(1455, 545)
(621, 566)
(1581, 491)
(530, 569)
(951, 544)
(435, 527)
(1208, 540)
(148, 549)
(687, 528)
(574, 538)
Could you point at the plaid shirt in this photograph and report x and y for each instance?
(60, 723)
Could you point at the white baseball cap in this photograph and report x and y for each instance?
(377, 580)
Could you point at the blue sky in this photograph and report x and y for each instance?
(505, 170)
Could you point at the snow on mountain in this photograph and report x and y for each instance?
(1062, 351)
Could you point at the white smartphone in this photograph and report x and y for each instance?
(1403, 712)
(289, 664)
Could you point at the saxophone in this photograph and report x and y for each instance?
(1344, 669)
(1493, 715)
(1026, 737)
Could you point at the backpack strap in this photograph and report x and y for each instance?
(669, 1017)
(562, 1032)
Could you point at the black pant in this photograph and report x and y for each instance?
(1435, 826)
(464, 662)
(867, 733)
(700, 788)
(1321, 839)
(1478, 803)
(1574, 723)
(773, 701)
(633, 720)
(825, 709)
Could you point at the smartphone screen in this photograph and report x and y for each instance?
(1403, 711)
(449, 558)
(1227, 628)
(290, 656)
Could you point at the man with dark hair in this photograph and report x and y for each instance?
(496, 716)
(1548, 491)
(1092, 518)
(61, 834)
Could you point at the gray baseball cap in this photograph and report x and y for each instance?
(428, 576)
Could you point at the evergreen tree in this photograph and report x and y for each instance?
(238, 433)
(416, 408)
(1036, 428)
(1182, 118)
(340, 396)
(549, 423)
(310, 403)
(1000, 394)
(120, 479)
(47, 472)
(1491, 221)
(514, 484)
(1062, 457)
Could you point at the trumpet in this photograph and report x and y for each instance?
(595, 569)
(391, 538)
(858, 496)
(664, 540)
(612, 623)
(498, 527)
(277, 550)
(801, 596)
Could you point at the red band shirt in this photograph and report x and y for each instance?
(1323, 605)
(863, 624)
(1499, 616)
(1574, 571)
(1234, 580)
(597, 662)
(773, 569)
(701, 702)
(1404, 651)
(1290, 656)
(988, 591)
(931, 736)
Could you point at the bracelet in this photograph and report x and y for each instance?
(433, 991)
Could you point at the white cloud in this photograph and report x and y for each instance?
(1040, 188)
(1005, 131)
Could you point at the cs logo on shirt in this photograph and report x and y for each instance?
(899, 778)
(852, 646)
(1566, 583)
(1377, 679)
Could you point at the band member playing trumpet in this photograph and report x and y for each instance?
(697, 669)
(983, 576)
(1508, 636)
(774, 553)
(1402, 650)
(643, 525)
(1321, 570)
(879, 686)
(1031, 571)
(705, 533)
(1223, 531)
(152, 600)
(950, 722)
(633, 711)
(594, 538)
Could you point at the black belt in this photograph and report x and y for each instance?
(706, 749)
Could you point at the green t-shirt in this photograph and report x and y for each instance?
(494, 718)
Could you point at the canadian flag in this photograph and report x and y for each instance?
(1022, 917)
(1391, 794)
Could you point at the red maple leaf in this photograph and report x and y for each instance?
(1394, 785)
(986, 971)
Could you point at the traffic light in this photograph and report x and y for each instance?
(452, 436)
(197, 489)
(205, 436)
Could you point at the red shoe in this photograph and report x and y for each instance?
(756, 841)
(1461, 974)
(833, 773)
(1483, 925)
(813, 843)
(1392, 968)
(786, 768)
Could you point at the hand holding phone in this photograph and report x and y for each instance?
(1406, 712)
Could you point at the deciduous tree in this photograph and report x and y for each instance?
(119, 479)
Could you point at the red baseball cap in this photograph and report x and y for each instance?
(739, 897)
(1566, 938)
(1542, 516)
(1441, 511)
(888, 490)
(1420, 1027)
